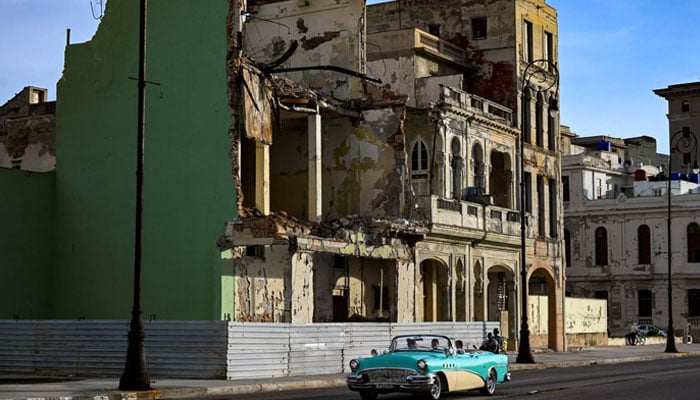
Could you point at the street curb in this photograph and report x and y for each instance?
(583, 363)
(315, 383)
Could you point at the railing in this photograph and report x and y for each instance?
(472, 102)
(464, 214)
(445, 49)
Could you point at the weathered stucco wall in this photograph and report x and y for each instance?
(624, 276)
(328, 33)
(29, 143)
(261, 283)
(188, 189)
(365, 170)
(585, 319)
(494, 56)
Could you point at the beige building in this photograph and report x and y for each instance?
(396, 202)
(616, 216)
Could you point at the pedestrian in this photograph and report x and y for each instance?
(632, 335)
(489, 344)
(499, 340)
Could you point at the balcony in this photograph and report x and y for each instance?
(469, 216)
(417, 40)
(479, 105)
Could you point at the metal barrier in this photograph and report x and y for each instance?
(205, 349)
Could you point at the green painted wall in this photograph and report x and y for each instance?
(188, 192)
(25, 243)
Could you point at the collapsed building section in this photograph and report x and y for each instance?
(394, 201)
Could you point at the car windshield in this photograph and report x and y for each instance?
(420, 343)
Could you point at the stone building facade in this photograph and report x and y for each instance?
(616, 232)
(616, 216)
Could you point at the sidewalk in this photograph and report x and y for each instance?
(36, 388)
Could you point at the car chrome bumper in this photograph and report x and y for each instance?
(507, 377)
(413, 384)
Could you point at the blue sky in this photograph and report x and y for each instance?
(612, 54)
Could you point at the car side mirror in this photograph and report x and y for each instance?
(448, 351)
(373, 352)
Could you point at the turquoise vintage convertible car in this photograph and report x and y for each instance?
(426, 364)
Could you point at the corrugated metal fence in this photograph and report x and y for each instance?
(205, 349)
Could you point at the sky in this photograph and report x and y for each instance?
(612, 54)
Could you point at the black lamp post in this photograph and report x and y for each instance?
(539, 76)
(682, 142)
(135, 375)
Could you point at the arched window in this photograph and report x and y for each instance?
(419, 168)
(567, 247)
(457, 164)
(477, 169)
(539, 124)
(693, 243)
(644, 244)
(685, 106)
(601, 246)
(527, 115)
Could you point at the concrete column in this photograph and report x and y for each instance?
(302, 303)
(315, 193)
(262, 177)
(405, 287)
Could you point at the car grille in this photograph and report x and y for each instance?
(388, 375)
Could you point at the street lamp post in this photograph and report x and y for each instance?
(539, 76)
(682, 142)
(135, 374)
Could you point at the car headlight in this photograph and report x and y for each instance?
(354, 364)
(422, 365)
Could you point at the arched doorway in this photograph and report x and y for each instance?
(542, 312)
(501, 179)
(460, 292)
(501, 299)
(457, 166)
(477, 169)
(436, 291)
(478, 292)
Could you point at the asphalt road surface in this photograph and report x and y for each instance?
(674, 379)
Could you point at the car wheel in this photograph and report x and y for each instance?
(435, 390)
(490, 384)
(368, 394)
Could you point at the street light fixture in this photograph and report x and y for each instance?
(539, 76)
(682, 142)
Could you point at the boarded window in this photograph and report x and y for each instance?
(694, 302)
(601, 246)
(644, 244)
(567, 247)
(644, 303)
(693, 243)
(479, 28)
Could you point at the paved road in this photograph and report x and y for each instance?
(42, 388)
(676, 379)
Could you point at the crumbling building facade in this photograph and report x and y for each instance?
(392, 202)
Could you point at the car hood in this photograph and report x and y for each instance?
(399, 360)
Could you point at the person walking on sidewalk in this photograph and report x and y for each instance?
(632, 336)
